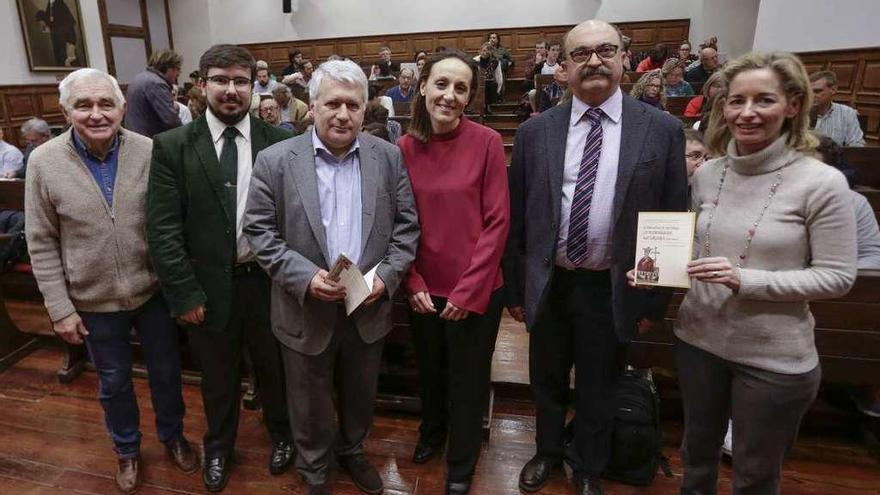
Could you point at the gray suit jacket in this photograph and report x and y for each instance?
(283, 225)
(651, 176)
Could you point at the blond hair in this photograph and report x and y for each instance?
(795, 86)
(638, 88)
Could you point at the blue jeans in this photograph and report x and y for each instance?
(109, 345)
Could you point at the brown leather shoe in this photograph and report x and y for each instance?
(128, 476)
(182, 455)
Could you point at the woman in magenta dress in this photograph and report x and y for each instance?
(459, 179)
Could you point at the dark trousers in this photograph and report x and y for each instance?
(220, 353)
(766, 409)
(576, 327)
(109, 345)
(350, 367)
(455, 362)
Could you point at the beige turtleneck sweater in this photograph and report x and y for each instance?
(804, 249)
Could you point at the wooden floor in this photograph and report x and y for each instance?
(53, 441)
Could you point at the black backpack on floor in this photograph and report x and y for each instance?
(636, 444)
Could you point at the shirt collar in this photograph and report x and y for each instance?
(217, 127)
(613, 107)
(80, 146)
(317, 144)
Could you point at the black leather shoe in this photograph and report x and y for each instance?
(216, 473)
(365, 476)
(424, 453)
(182, 455)
(128, 475)
(282, 455)
(536, 473)
(458, 487)
(588, 485)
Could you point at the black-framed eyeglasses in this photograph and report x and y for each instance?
(697, 155)
(604, 51)
(238, 82)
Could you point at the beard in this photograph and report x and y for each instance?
(228, 117)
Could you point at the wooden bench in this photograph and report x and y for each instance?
(847, 335)
(866, 161)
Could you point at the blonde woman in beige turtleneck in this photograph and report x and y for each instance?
(775, 230)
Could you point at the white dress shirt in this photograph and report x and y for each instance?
(602, 205)
(245, 166)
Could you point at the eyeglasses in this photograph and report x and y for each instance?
(604, 51)
(697, 155)
(652, 85)
(239, 82)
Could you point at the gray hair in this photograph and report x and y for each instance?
(88, 74)
(36, 125)
(281, 88)
(344, 71)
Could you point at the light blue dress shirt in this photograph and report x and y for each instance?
(339, 192)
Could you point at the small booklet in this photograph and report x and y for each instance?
(358, 286)
(664, 246)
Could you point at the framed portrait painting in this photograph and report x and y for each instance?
(53, 34)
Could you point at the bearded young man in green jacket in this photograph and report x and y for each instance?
(198, 187)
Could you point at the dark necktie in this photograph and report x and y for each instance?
(579, 220)
(229, 163)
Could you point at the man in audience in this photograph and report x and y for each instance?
(313, 198)
(11, 159)
(655, 60)
(151, 108)
(34, 132)
(572, 242)
(385, 68)
(708, 65)
(302, 77)
(534, 64)
(264, 83)
(199, 180)
(290, 108)
(295, 57)
(84, 205)
(270, 112)
(837, 121)
(404, 91)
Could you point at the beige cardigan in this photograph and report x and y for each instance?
(86, 255)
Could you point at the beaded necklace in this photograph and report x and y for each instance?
(751, 232)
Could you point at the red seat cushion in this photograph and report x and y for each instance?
(22, 268)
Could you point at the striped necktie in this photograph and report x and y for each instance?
(579, 219)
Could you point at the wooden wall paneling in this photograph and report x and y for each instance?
(471, 44)
(370, 48)
(2, 110)
(846, 71)
(525, 41)
(324, 50)
(642, 36)
(260, 53)
(421, 44)
(278, 56)
(348, 49)
(399, 48)
(447, 41)
(48, 105)
(871, 79)
(21, 106)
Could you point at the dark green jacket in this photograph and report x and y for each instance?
(191, 218)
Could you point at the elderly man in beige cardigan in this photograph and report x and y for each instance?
(84, 204)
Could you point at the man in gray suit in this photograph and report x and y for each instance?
(329, 192)
(580, 174)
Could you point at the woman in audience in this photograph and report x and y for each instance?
(649, 89)
(459, 180)
(711, 87)
(775, 229)
(505, 60)
(673, 76)
(684, 53)
(491, 69)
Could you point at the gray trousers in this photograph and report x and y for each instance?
(766, 409)
(350, 368)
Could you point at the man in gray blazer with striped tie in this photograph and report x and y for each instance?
(580, 174)
(324, 193)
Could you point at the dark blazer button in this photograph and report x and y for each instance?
(228, 231)
(546, 261)
(228, 270)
